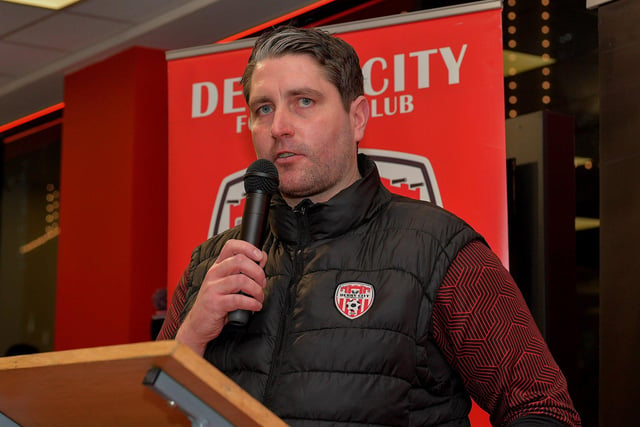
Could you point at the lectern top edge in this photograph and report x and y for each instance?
(89, 355)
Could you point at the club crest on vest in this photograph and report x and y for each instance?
(353, 299)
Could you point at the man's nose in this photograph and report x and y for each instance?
(282, 124)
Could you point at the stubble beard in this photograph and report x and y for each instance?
(307, 183)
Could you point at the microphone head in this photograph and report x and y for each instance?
(261, 177)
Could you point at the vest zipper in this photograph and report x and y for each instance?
(285, 317)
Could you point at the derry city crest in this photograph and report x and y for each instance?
(353, 299)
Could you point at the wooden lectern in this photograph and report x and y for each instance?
(161, 383)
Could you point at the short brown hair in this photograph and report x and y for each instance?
(337, 58)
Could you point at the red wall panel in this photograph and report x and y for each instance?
(112, 247)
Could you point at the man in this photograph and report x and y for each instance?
(361, 299)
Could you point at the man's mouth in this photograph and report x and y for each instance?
(285, 155)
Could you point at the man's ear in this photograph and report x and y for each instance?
(359, 115)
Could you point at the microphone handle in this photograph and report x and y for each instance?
(254, 220)
(239, 317)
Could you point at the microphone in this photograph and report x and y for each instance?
(260, 183)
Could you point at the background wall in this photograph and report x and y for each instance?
(112, 248)
(30, 211)
(619, 207)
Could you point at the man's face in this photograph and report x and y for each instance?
(299, 123)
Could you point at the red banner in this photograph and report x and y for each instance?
(435, 86)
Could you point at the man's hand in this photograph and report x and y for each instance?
(239, 268)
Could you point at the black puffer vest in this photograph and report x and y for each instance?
(344, 334)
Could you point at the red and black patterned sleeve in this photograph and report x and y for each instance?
(485, 330)
(172, 320)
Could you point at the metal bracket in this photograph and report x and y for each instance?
(7, 422)
(199, 413)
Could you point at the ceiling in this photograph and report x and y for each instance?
(38, 46)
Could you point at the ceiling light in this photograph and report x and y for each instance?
(45, 4)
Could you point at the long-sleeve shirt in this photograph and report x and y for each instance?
(484, 328)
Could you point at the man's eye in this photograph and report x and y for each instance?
(305, 102)
(264, 109)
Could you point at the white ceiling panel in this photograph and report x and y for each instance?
(67, 31)
(126, 10)
(215, 22)
(14, 16)
(18, 60)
